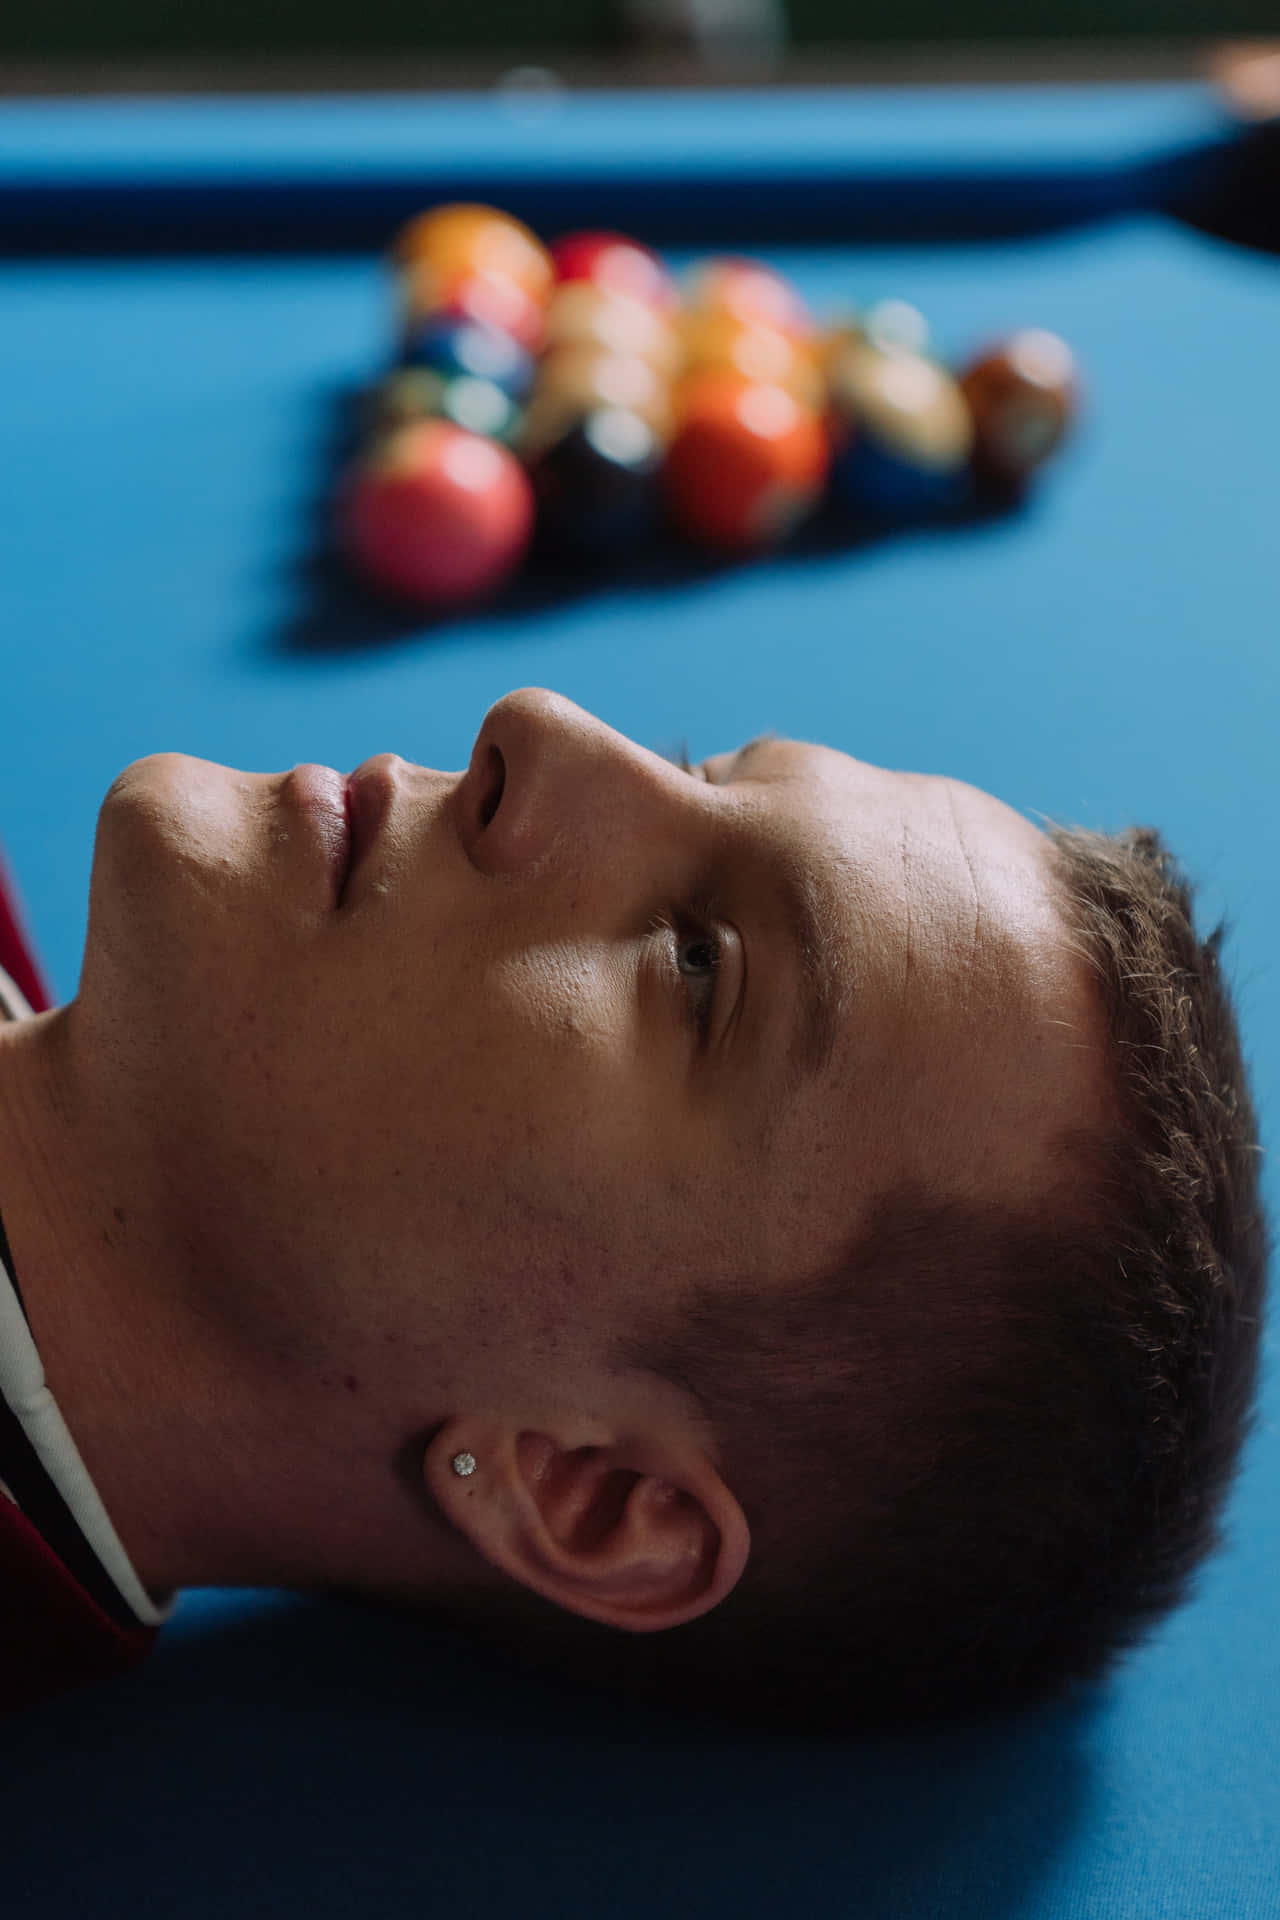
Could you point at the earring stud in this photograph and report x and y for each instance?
(464, 1463)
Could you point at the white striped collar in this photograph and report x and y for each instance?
(14, 1004)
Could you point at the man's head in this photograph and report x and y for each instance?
(715, 1156)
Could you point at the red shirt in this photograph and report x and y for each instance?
(63, 1623)
(16, 954)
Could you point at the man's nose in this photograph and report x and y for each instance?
(547, 779)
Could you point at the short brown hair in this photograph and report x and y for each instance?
(987, 1452)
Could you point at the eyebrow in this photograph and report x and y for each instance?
(810, 908)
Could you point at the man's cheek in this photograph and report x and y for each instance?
(556, 996)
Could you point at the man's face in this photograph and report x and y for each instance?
(582, 1027)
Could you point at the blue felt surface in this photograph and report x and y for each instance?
(1108, 656)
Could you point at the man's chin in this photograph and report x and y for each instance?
(182, 879)
(199, 821)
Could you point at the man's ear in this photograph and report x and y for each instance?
(628, 1531)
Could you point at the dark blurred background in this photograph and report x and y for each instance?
(283, 43)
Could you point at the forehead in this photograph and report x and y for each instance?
(969, 1036)
(918, 870)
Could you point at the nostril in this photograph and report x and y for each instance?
(495, 773)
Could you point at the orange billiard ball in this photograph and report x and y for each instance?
(747, 463)
(462, 238)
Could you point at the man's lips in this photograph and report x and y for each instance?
(369, 797)
(318, 795)
(344, 817)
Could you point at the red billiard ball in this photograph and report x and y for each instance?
(620, 265)
(1023, 398)
(746, 464)
(436, 514)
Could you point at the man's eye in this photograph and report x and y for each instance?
(699, 956)
(696, 956)
(694, 952)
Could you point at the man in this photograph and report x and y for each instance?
(780, 1235)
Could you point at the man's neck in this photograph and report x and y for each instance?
(213, 1470)
(63, 1233)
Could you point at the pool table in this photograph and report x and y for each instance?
(190, 292)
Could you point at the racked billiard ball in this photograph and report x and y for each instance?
(751, 293)
(896, 323)
(901, 431)
(767, 356)
(1023, 398)
(428, 292)
(746, 464)
(462, 238)
(596, 487)
(619, 265)
(582, 315)
(436, 515)
(421, 393)
(574, 381)
(452, 346)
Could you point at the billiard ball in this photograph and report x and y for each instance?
(575, 381)
(435, 514)
(896, 323)
(582, 315)
(596, 487)
(751, 293)
(421, 393)
(491, 299)
(717, 342)
(459, 239)
(454, 346)
(410, 393)
(746, 464)
(620, 265)
(1023, 398)
(901, 429)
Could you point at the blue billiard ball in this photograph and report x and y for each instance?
(469, 349)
